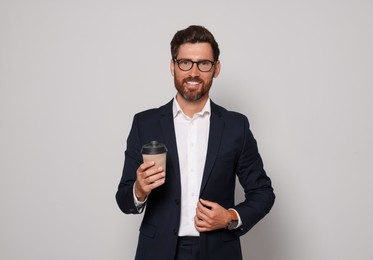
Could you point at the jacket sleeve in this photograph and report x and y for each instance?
(259, 195)
(132, 161)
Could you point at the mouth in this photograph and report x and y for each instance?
(193, 84)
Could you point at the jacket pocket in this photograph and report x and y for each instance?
(148, 230)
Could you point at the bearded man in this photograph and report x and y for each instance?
(192, 213)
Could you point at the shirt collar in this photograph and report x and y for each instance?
(176, 109)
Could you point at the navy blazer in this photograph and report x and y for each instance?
(232, 151)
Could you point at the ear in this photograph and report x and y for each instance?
(172, 67)
(217, 69)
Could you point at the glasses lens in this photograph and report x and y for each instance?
(185, 64)
(204, 65)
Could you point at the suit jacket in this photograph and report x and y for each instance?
(232, 151)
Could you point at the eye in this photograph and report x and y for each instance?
(184, 62)
(204, 62)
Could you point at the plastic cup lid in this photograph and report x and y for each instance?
(154, 147)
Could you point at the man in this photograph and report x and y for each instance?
(191, 214)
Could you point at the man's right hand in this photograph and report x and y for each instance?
(148, 178)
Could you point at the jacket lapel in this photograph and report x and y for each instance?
(216, 131)
(168, 130)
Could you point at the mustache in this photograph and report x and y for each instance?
(197, 79)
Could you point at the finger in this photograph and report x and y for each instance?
(146, 165)
(200, 208)
(200, 225)
(202, 212)
(206, 210)
(208, 204)
(198, 222)
(141, 171)
(155, 174)
(147, 174)
(157, 183)
(153, 170)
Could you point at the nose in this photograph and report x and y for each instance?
(194, 71)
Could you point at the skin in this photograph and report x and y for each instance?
(193, 88)
(193, 97)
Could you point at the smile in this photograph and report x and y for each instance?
(193, 82)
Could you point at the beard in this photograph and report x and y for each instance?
(192, 95)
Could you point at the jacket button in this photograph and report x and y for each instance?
(177, 202)
(175, 232)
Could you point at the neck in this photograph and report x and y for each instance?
(191, 107)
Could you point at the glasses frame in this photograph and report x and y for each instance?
(177, 61)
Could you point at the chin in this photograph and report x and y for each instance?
(192, 98)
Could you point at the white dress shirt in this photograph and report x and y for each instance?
(192, 138)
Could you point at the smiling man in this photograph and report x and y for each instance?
(192, 214)
(193, 83)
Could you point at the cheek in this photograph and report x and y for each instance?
(179, 75)
(208, 79)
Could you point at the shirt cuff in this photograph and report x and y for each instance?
(140, 205)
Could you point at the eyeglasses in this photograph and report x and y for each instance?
(187, 64)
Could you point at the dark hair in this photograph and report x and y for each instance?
(194, 34)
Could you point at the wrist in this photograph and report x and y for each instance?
(233, 223)
(229, 216)
(140, 196)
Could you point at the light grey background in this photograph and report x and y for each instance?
(73, 73)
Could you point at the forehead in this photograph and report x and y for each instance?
(201, 50)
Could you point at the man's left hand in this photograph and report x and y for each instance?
(211, 216)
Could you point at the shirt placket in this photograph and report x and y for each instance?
(192, 166)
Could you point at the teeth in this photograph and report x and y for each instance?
(193, 82)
